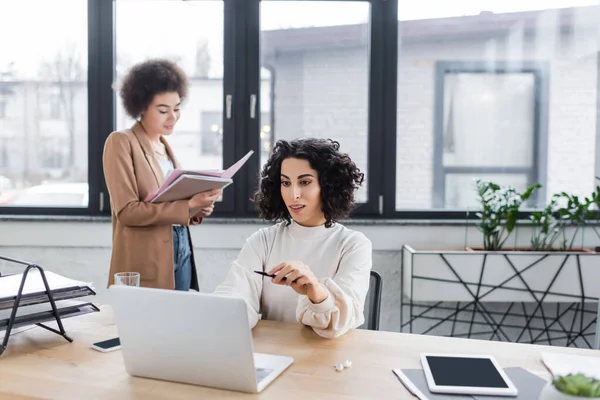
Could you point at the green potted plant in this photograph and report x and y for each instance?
(549, 226)
(499, 211)
(571, 387)
(545, 227)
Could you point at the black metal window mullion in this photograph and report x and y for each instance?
(101, 101)
(389, 106)
(250, 118)
(233, 33)
(376, 112)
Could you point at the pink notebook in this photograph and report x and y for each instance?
(228, 173)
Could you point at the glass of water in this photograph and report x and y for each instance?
(127, 278)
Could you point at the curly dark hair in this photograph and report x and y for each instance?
(339, 178)
(146, 79)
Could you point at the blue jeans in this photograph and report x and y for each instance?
(182, 258)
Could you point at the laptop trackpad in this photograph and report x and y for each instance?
(262, 373)
(265, 364)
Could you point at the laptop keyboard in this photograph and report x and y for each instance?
(262, 373)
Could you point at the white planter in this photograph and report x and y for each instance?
(499, 276)
(549, 392)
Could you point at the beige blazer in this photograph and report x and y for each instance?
(142, 234)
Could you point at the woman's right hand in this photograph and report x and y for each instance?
(204, 199)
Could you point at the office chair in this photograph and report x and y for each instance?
(373, 303)
(597, 338)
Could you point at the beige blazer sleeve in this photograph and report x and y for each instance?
(123, 183)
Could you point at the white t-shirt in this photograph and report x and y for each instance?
(340, 258)
(166, 166)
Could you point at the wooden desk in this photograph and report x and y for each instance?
(41, 365)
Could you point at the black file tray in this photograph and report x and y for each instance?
(38, 298)
(35, 298)
(47, 316)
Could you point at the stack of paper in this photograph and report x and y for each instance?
(34, 306)
(34, 290)
(182, 184)
(565, 364)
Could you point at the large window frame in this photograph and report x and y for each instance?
(241, 81)
(372, 208)
(537, 172)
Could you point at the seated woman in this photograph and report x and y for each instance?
(308, 185)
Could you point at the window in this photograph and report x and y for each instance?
(54, 154)
(211, 134)
(425, 99)
(6, 91)
(191, 34)
(51, 97)
(53, 107)
(502, 94)
(486, 127)
(315, 61)
(71, 194)
(3, 104)
(54, 61)
(4, 151)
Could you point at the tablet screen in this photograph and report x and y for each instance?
(466, 372)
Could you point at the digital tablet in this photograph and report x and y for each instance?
(466, 374)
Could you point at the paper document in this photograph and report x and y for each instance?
(187, 186)
(9, 285)
(176, 174)
(565, 364)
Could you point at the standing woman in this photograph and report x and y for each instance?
(152, 239)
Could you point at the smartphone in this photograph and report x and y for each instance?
(106, 346)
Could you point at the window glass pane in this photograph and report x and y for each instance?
(460, 187)
(43, 104)
(488, 119)
(315, 74)
(191, 34)
(497, 90)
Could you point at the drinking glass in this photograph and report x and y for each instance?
(127, 278)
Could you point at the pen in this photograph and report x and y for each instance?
(265, 274)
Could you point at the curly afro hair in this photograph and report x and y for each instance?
(339, 178)
(146, 79)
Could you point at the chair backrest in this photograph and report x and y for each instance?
(373, 303)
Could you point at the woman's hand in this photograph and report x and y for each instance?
(300, 278)
(205, 212)
(205, 199)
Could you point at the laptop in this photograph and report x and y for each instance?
(191, 337)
